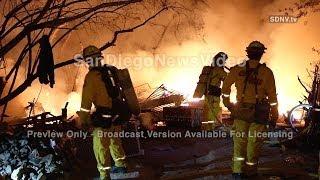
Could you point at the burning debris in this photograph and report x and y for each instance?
(183, 116)
(152, 107)
(25, 158)
(161, 97)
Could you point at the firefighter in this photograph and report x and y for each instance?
(95, 92)
(256, 88)
(217, 74)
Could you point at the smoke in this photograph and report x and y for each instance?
(50, 99)
(176, 58)
(292, 55)
(230, 26)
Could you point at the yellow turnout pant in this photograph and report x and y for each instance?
(103, 146)
(246, 146)
(212, 109)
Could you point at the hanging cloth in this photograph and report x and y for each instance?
(45, 67)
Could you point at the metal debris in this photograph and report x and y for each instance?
(183, 116)
(24, 158)
(161, 97)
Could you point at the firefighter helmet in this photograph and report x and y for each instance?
(91, 51)
(256, 46)
(219, 59)
(255, 50)
(222, 55)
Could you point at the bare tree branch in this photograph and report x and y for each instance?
(23, 27)
(56, 22)
(33, 77)
(6, 48)
(117, 33)
(91, 10)
(11, 14)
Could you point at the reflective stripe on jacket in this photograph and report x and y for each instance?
(94, 92)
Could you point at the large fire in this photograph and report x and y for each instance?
(289, 52)
(183, 77)
(185, 80)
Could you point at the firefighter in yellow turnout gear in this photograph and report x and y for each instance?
(217, 74)
(256, 88)
(95, 92)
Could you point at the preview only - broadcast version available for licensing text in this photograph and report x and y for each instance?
(163, 134)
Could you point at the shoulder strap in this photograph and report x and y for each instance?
(256, 72)
(210, 78)
(245, 81)
(248, 74)
(109, 77)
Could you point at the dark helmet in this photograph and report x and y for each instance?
(256, 46)
(91, 51)
(219, 59)
(255, 50)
